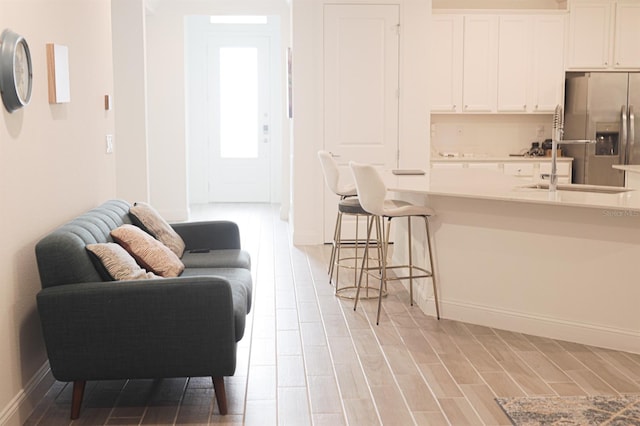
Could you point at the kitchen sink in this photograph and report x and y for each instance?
(580, 188)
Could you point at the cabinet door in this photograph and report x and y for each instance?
(446, 63)
(589, 38)
(547, 79)
(514, 59)
(479, 63)
(627, 35)
(524, 170)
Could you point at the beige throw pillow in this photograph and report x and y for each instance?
(150, 253)
(158, 227)
(118, 262)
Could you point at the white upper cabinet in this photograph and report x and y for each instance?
(530, 63)
(547, 78)
(445, 76)
(604, 34)
(589, 37)
(488, 63)
(627, 34)
(479, 74)
(514, 63)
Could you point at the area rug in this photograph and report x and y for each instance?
(568, 411)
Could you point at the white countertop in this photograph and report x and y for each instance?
(493, 185)
(437, 159)
(631, 168)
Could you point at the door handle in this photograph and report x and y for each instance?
(624, 154)
(631, 140)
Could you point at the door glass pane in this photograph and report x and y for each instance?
(239, 102)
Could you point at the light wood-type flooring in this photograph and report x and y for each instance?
(308, 359)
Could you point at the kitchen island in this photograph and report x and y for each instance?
(563, 265)
(631, 175)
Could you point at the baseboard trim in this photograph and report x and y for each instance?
(22, 405)
(554, 328)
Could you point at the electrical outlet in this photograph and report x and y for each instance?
(109, 140)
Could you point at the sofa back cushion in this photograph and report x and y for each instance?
(150, 253)
(62, 256)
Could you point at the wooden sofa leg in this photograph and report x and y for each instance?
(76, 401)
(221, 394)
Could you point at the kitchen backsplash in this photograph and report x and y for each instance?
(487, 135)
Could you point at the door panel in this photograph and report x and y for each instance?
(238, 114)
(361, 52)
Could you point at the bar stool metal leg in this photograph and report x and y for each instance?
(431, 264)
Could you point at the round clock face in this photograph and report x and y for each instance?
(21, 72)
(16, 76)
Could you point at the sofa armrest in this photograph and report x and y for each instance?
(176, 327)
(212, 235)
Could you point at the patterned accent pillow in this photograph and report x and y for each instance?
(150, 253)
(118, 262)
(157, 226)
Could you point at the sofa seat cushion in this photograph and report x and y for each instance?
(241, 289)
(216, 259)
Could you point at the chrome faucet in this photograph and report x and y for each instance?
(557, 134)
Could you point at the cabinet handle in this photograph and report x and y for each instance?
(606, 63)
(466, 106)
(536, 106)
(454, 107)
(524, 107)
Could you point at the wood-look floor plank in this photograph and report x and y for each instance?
(440, 381)
(361, 412)
(416, 393)
(351, 381)
(391, 405)
(293, 406)
(501, 384)
(196, 407)
(483, 401)
(323, 394)
(542, 366)
(459, 412)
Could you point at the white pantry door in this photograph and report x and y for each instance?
(238, 114)
(361, 89)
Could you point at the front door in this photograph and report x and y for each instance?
(239, 119)
(361, 89)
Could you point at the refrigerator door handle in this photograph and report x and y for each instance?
(624, 150)
(631, 139)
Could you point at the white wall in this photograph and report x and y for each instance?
(53, 166)
(166, 100)
(130, 99)
(307, 210)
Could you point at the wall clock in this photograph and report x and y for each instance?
(16, 75)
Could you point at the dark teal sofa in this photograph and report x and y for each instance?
(97, 329)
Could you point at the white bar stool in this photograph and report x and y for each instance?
(372, 193)
(348, 204)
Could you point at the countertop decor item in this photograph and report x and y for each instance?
(16, 72)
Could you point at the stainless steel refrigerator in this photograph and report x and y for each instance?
(601, 106)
